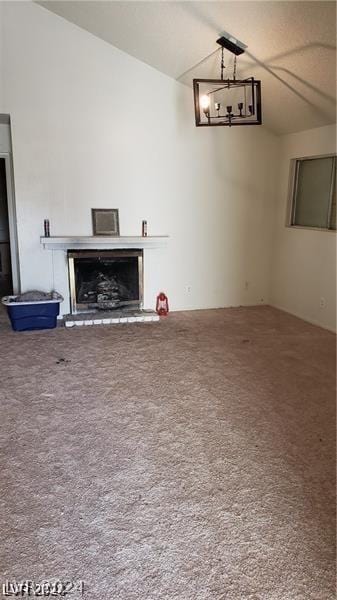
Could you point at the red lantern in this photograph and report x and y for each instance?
(162, 306)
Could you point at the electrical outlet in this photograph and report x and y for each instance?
(188, 289)
(322, 302)
(246, 285)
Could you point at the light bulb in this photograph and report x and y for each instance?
(205, 102)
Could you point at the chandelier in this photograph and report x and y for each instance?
(227, 101)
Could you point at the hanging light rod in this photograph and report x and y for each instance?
(227, 101)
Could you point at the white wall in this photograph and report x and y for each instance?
(93, 127)
(304, 260)
(1, 57)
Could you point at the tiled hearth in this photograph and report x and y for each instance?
(114, 317)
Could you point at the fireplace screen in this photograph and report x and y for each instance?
(105, 279)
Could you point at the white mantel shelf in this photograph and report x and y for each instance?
(99, 242)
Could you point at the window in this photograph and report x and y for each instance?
(313, 193)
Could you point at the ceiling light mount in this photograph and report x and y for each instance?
(230, 45)
(227, 102)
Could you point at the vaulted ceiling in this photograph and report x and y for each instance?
(291, 47)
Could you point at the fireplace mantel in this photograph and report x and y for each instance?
(102, 242)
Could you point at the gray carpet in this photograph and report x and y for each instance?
(190, 459)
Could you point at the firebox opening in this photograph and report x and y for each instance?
(105, 279)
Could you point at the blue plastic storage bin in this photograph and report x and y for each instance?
(26, 316)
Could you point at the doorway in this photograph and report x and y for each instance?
(9, 254)
(6, 282)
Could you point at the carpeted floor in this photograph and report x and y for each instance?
(191, 459)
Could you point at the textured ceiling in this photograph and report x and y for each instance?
(291, 47)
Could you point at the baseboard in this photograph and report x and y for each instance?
(219, 307)
(303, 317)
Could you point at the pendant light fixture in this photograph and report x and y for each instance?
(227, 102)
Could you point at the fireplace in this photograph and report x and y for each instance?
(105, 279)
